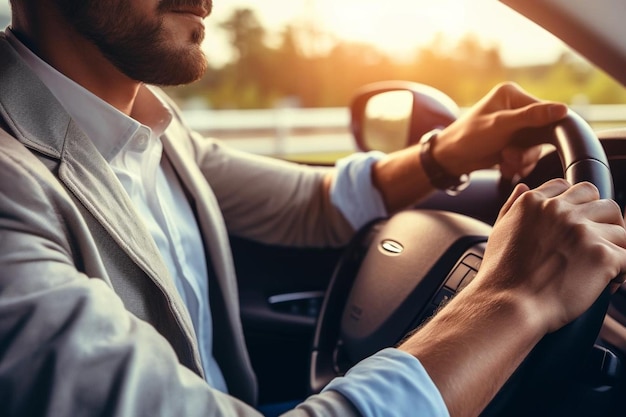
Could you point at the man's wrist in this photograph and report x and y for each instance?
(483, 304)
(438, 176)
(478, 339)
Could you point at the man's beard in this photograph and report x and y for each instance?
(137, 45)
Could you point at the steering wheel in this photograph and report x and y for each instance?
(397, 272)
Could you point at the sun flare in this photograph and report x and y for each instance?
(398, 27)
(395, 24)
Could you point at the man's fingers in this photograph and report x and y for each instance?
(541, 114)
(581, 193)
(517, 192)
(553, 188)
(617, 282)
(507, 95)
(533, 115)
(620, 277)
(520, 156)
(518, 161)
(510, 96)
(604, 211)
(549, 189)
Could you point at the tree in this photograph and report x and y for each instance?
(249, 76)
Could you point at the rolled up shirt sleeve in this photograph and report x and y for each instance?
(391, 383)
(352, 191)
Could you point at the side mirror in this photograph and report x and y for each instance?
(392, 115)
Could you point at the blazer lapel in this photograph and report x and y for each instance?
(87, 175)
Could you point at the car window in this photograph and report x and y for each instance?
(282, 74)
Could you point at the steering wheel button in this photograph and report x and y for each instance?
(468, 278)
(456, 276)
(472, 261)
(442, 297)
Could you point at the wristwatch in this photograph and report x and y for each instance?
(436, 174)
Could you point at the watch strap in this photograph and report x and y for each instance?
(436, 174)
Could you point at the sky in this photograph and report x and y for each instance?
(399, 26)
(395, 26)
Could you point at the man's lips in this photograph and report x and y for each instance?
(200, 12)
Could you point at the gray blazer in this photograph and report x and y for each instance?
(90, 321)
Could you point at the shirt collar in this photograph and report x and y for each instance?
(108, 128)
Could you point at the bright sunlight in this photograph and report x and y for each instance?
(398, 27)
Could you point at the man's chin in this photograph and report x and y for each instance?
(178, 72)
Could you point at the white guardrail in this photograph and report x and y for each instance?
(295, 131)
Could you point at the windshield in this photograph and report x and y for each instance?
(282, 73)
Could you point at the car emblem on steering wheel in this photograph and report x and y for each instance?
(391, 247)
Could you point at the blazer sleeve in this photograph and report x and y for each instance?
(271, 200)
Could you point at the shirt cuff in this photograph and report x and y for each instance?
(352, 191)
(391, 383)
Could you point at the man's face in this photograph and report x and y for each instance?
(153, 41)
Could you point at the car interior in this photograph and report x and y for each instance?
(309, 314)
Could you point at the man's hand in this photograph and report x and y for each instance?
(557, 247)
(552, 252)
(482, 137)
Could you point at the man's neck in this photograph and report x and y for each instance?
(80, 60)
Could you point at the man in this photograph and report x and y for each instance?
(109, 206)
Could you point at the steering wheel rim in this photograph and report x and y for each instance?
(582, 159)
